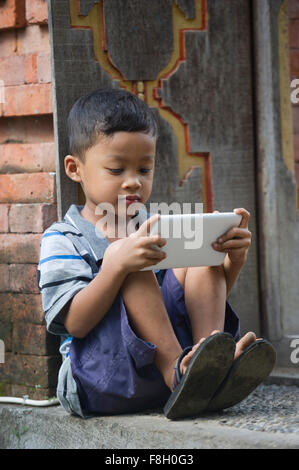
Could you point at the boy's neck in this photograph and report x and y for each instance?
(89, 215)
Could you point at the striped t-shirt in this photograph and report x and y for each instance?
(71, 254)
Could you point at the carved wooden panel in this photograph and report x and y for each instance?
(139, 36)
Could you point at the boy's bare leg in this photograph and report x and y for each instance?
(149, 319)
(205, 298)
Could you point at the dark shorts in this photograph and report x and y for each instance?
(114, 369)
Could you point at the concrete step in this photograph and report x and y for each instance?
(268, 418)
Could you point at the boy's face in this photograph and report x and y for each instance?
(120, 165)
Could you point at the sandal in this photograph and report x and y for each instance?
(247, 372)
(208, 367)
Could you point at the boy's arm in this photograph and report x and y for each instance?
(231, 272)
(235, 243)
(94, 300)
(74, 301)
(123, 256)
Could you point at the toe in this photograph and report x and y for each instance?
(214, 332)
(244, 342)
(186, 360)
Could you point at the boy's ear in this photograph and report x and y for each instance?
(72, 168)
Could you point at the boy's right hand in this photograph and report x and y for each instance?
(136, 251)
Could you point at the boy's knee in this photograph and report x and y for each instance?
(139, 278)
(180, 274)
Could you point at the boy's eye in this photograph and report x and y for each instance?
(115, 171)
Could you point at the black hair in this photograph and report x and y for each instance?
(104, 112)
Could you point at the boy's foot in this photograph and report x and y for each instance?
(184, 363)
(241, 345)
(254, 361)
(198, 374)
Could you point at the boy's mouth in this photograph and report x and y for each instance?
(132, 198)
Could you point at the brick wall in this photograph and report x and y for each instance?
(293, 13)
(27, 196)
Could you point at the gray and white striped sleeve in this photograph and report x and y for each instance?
(61, 273)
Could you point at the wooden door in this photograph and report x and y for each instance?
(190, 60)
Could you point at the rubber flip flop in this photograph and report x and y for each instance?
(247, 372)
(207, 369)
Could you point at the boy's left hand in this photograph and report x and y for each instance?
(237, 240)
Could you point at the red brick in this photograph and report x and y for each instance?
(296, 147)
(33, 339)
(6, 389)
(31, 187)
(33, 39)
(4, 210)
(37, 68)
(20, 158)
(294, 33)
(12, 14)
(34, 218)
(12, 70)
(4, 278)
(6, 329)
(30, 370)
(293, 8)
(294, 63)
(23, 278)
(27, 129)
(23, 308)
(24, 100)
(35, 392)
(295, 115)
(30, 68)
(36, 11)
(8, 43)
(19, 248)
(44, 67)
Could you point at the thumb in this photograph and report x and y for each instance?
(146, 226)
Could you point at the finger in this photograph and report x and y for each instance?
(245, 216)
(161, 241)
(151, 261)
(233, 244)
(145, 228)
(154, 254)
(153, 240)
(235, 232)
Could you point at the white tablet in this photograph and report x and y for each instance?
(189, 238)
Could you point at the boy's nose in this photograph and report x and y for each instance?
(132, 182)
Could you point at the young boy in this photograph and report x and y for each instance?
(137, 340)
